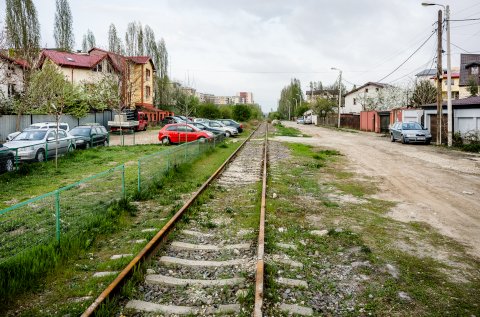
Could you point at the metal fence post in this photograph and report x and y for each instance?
(16, 159)
(139, 176)
(57, 214)
(124, 194)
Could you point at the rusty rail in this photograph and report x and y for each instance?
(157, 240)
(259, 285)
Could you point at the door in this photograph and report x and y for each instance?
(384, 123)
(63, 142)
(51, 143)
(433, 127)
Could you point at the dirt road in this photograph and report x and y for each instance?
(430, 184)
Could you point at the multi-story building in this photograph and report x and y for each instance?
(469, 70)
(360, 99)
(135, 73)
(245, 97)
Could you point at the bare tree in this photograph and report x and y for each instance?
(424, 93)
(63, 29)
(88, 41)
(114, 42)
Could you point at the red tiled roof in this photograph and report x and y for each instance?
(19, 62)
(139, 59)
(71, 59)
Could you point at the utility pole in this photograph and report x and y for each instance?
(339, 97)
(439, 78)
(449, 80)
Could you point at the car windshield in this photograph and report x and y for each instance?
(411, 126)
(80, 131)
(34, 135)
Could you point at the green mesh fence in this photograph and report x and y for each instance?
(153, 167)
(45, 218)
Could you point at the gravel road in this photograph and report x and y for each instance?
(431, 184)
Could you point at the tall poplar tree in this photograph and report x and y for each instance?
(63, 30)
(114, 42)
(88, 41)
(23, 29)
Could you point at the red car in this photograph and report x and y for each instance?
(181, 132)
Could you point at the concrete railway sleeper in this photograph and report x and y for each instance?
(210, 262)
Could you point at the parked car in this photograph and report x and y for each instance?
(199, 120)
(41, 125)
(39, 144)
(182, 132)
(7, 159)
(229, 131)
(170, 120)
(409, 132)
(90, 135)
(301, 120)
(308, 120)
(232, 123)
(202, 126)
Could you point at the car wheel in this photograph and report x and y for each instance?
(403, 140)
(87, 145)
(201, 139)
(40, 156)
(392, 139)
(9, 164)
(228, 134)
(427, 142)
(70, 149)
(105, 143)
(145, 129)
(165, 140)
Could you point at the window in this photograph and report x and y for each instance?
(354, 101)
(376, 89)
(366, 90)
(62, 134)
(147, 92)
(11, 90)
(97, 68)
(474, 70)
(147, 74)
(172, 128)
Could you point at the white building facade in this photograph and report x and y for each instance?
(360, 98)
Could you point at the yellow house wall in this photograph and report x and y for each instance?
(139, 83)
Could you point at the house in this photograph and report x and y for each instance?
(311, 95)
(469, 69)
(135, 74)
(362, 98)
(465, 116)
(457, 91)
(427, 74)
(11, 76)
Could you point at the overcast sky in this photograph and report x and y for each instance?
(223, 47)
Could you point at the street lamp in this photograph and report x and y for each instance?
(449, 70)
(339, 93)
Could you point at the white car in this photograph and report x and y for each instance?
(41, 125)
(40, 144)
(229, 131)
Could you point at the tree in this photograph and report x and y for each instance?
(472, 86)
(301, 110)
(290, 98)
(88, 41)
(424, 93)
(49, 92)
(134, 39)
(23, 29)
(322, 107)
(63, 30)
(241, 112)
(114, 42)
(208, 111)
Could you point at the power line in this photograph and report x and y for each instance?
(461, 20)
(408, 57)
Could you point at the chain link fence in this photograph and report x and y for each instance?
(153, 167)
(46, 218)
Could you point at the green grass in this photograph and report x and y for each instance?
(38, 178)
(287, 131)
(359, 231)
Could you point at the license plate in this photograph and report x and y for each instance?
(421, 138)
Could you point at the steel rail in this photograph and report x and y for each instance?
(157, 240)
(259, 276)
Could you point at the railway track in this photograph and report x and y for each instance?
(210, 262)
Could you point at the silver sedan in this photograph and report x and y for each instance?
(409, 132)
